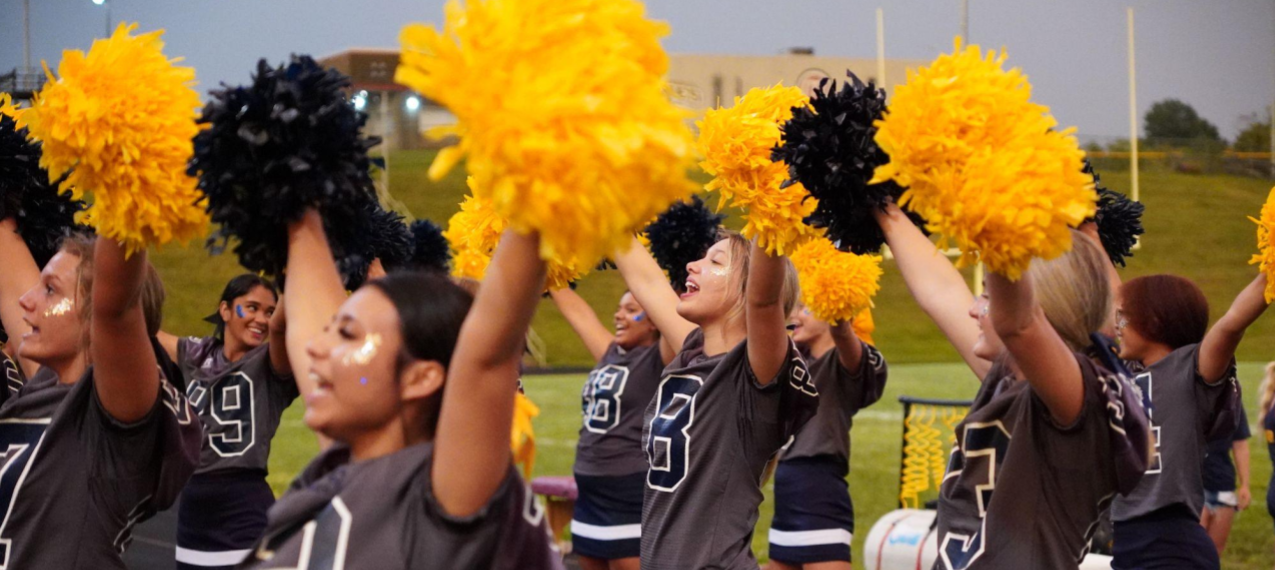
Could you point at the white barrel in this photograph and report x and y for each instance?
(905, 540)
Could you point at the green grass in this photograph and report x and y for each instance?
(874, 474)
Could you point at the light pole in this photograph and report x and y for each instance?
(108, 15)
(26, 36)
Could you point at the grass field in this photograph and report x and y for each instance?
(1195, 225)
(874, 474)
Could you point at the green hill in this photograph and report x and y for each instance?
(1196, 227)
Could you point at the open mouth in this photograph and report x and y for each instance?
(691, 289)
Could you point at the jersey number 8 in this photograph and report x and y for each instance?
(668, 446)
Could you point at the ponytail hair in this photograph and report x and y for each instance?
(235, 288)
(1074, 291)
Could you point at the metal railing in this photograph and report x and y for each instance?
(22, 84)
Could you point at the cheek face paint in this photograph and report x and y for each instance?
(239, 310)
(363, 380)
(63, 307)
(639, 317)
(720, 271)
(365, 353)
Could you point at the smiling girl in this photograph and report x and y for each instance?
(610, 466)
(239, 382)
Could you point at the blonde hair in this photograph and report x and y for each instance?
(1266, 393)
(82, 245)
(1074, 292)
(740, 255)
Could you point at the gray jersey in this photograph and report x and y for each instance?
(1182, 410)
(12, 376)
(709, 432)
(614, 399)
(1055, 480)
(75, 481)
(240, 403)
(381, 514)
(842, 394)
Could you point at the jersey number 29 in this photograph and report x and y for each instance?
(231, 405)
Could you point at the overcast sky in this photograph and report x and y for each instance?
(1217, 55)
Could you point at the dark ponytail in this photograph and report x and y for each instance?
(237, 287)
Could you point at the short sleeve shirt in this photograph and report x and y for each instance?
(240, 403)
(74, 473)
(614, 401)
(710, 430)
(1022, 491)
(842, 393)
(1183, 410)
(381, 514)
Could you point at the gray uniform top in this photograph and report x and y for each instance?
(12, 376)
(842, 394)
(1183, 410)
(614, 399)
(75, 481)
(1055, 479)
(240, 403)
(381, 514)
(708, 434)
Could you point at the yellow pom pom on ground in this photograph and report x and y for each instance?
(836, 286)
(736, 144)
(1265, 258)
(983, 164)
(120, 120)
(563, 115)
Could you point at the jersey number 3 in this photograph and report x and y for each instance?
(668, 444)
(983, 449)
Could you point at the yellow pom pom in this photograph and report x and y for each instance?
(1266, 254)
(120, 120)
(563, 115)
(736, 144)
(982, 163)
(474, 232)
(864, 326)
(835, 285)
(523, 436)
(7, 106)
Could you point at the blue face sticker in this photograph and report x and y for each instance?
(239, 311)
(639, 317)
(363, 380)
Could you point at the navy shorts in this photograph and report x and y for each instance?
(220, 517)
(814, 518)
(1170, 538)
(607, 523)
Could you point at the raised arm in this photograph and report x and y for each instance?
(584, 321)
(1218, 347)
(764, 313)
(935, 283)
(1243, 491)
(20, 274)
(1041, 355)
(849, 347)
(471, 448)
(315, 285)
(125, 372)
(279, 341)
(651, 288)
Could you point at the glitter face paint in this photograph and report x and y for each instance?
(66, 305)
(720, 271)
(239, 311)
(364, 354)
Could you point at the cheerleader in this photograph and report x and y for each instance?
(239, 382)
(737, 391)
(1047, 422)
(98, 439)
(412, 385)
(814, 516)
(610, 466)
(1186, 379)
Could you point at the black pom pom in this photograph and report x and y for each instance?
(391, 239)
(830, 150)
(288, 142)
(430, 251)
(682, 234)
(1119, 220)
(43, 215)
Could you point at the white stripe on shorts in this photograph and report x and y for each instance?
(205, 558)
(618, 532)
(810, 537)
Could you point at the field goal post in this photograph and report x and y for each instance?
(929, 432)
